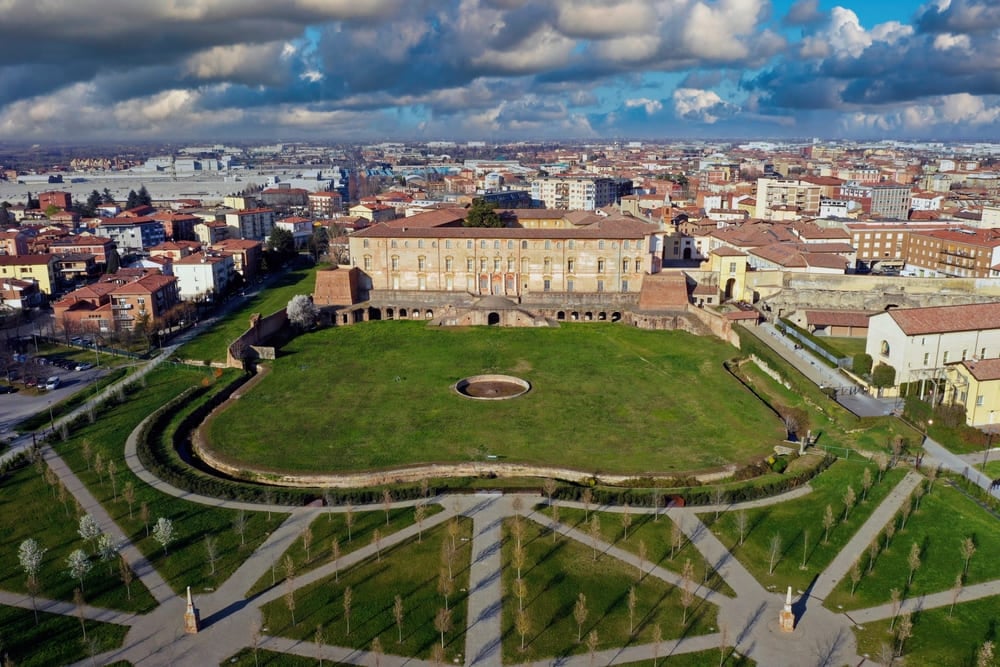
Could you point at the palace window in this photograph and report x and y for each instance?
(395, 262)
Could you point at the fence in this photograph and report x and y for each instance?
(805, 341)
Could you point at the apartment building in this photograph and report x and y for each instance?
(960, 252)
(133, 235)
(39, 269)
(254, 224)
(579, 193)
(776, 196)
(325, 204)
(114, 306)
(203, 276)
(886, 201)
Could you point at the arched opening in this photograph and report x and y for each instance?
(374, 314)
(587, 317)
(344, 319)
(561, 315)
(359, 316)
(429, 315)
(493, 319)
(402, 313)
(575, 316)
(730, 284)
(884, 348)
(602, 316)
(389, 314)
(687, 253)
(615, 317)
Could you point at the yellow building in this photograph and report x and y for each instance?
(976, 385)
(39, 269)
(563, 253)
(730, 266)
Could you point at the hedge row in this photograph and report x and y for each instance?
(701, 495)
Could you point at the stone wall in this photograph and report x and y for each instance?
(337, 286)
(261, 329)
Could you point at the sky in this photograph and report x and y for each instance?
(498, 70)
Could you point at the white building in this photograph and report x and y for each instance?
(579, 193)
(833, 208)
(203, 276)
(918, 342)
(253, 224)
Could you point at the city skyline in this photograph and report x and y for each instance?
(499, 70)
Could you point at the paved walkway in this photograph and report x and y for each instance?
(929, 601)
(484, 634)
(887, 509)
(937, 454)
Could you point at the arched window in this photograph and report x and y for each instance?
(884, 348)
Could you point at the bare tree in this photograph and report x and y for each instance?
(128, 493)
(984, 657)
(855, 576)
(588, 498)
(742, 520)
(349, 519)
(453, 530)
(828, 522)
(904, 632)
(918, 493)
(676, 539)
(335, 554)
(632, 600)
(640, 566)
(849, 499)
(521, 592)
(968, 551)
(517, 530)
(126, 575)
(956, 591)
(99, 468)
(289, 566)
(882, 461)
(774, 553)
(518, 559)
(376, 651)
(896, 601)
(113, 476)
(723, 643)
(377, 541)
(425, 488)
(419, 512)
(442, 622)
(144, 516)
(307, 540)
(657, 502)
(320, 641)
(88, 452)
(397, 613)
(269, 501)
(657, 640)
(580, 614)
(522, 625)
(873, 550)
(386, 503)
(549, 486)
(687, 588)
(517, 504)
(290, 597)
(211, 553)
(592, 641)
(626, 520)
(905, 513)
(913, 560)
(718, 499)
(446, 585)
(437, 655)
(595, 533)
(866, 483)
(78, 603)
(240, 526)
(255, 631)
(886, 655)
(890, 531)
(932, 474)
(348, 598)
(555, 522)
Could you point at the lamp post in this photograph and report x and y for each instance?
(986, 450)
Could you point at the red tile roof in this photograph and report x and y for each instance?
(946, 319)
(984, 369)
(838, 318)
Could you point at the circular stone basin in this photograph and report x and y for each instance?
(491, 387)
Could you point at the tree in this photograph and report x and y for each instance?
(896, 601)
(866, 483)
(905, 632)
(143, 196)
(132, 200)
(595, 533)
(30, 555)
(482, 214)
(626, 520)
(446, 585)
(849, 499)
(302, 312)
(107, 549)
(335, 553)
(281, 243)
(89, 529)
(442, 622)
(163, 532)
(862, 364)
(956, 591)
(307, 538)
(855, 576)
(290, 597)
(522, 625)
(774, 553)
(580, 614)
(128, 493)
(742, 523)
(632, 600)
(984, 658)
(211, 553)
(397, 613)
(78, 603)
(549, 486)
(687, 588)
(968, 551)
(418, 517)
(883, 376)
(913, 560)
(78, 565)
(126, 575)
(348, 598)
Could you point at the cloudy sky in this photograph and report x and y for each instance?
(498, 69)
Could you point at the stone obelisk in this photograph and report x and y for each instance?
(786, 618)
(191, 615)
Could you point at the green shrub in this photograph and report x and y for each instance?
(862, 364)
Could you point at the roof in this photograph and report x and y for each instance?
(237, 244)
(428, 219)
(838, 318)
(983, 370)
(200, 258)
(947, 319)
(728, 251)
(147, 284)
(22, 260)
(980, 237)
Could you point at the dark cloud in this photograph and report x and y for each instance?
(804, 13)
(960, 16)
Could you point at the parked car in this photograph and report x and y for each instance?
(85, 366)
(53, 383)
(7, 389)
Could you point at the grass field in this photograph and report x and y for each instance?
(790, 521)
(185, 563)
(212, 343)
(939, 638)
(409, 570)
(604, 398)
(849, 347)
(555, 574)
(56, 640)
(945, 518)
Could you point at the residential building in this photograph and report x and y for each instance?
(133, 235)
(19, 294)
(246, 256)
(975, 384)
(211, 232)
(175, 250)
(203, 276)
(143, 301)
(98, 246)
(325, 204)
(920, 342)
(579, 193)
(40, 269)
(285, 198)
(776, 196)
(374, 212)
(960, 252)
(61, 200)
(119, 304)
(13, 243)
(254, 224)
(177, 226)
(73, 267)
(885, 200)
(300, 228)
